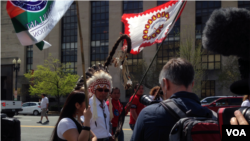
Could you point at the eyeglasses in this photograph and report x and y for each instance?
(101, 90)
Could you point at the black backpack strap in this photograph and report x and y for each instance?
(171, 107)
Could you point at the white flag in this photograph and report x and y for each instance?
(153, 25)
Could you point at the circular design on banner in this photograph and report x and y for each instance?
(30, 5)
(116, 113)
(154, 26)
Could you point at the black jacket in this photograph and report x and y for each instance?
(154, 123)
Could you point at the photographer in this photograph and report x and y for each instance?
(154, 123)
(154, 93)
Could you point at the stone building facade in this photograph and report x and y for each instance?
(101, 26)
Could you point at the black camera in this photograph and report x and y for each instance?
(225, 114)
(146, 100)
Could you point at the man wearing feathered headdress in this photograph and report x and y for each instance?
(99, 83)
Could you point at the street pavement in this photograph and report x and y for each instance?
(33, 131)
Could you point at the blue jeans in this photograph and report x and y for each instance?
(132, 126)
(121, 135)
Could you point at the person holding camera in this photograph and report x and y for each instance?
(136, 106)
(176, 80)
(155, 93)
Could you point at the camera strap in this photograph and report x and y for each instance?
(170, 106)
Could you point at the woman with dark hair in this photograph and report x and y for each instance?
(246, 101)
(69, 126)
(153, 93)
(115, 108)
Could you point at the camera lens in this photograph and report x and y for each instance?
(145, 100)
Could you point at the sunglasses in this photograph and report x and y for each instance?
(101, 90)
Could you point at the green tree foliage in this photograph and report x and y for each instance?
(51, 78)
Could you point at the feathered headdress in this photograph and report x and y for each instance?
(97, 76)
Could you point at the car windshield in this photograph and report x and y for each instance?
(209, 100)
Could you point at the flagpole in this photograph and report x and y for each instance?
(82, 56)
(147, 70)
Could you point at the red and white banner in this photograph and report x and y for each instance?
(153, 25)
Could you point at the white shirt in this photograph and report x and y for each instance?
(245, 103)
(99, 127)
(64, 125)
(44, 102)
(152, 97)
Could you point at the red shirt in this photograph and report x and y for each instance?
(117, 110)
(137, 105)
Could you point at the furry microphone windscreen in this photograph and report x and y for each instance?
(227, 32)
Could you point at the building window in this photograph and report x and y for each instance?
(244, 4)
(170, 46)
(29, 58)
(99, 31)
(134, 63)
(207, 88)
(161, 2)
(132, 6)
(210, 60)
(69, 40)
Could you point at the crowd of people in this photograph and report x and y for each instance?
(99, 121)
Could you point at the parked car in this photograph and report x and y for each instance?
(225, 102)
(209, 99)
(31, 108)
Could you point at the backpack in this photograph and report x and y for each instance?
(191, 128)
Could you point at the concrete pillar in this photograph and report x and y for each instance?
(115, 27)
(85, 19)
(187, 29)
(54, 38)
(38, 57)
(225, 4)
